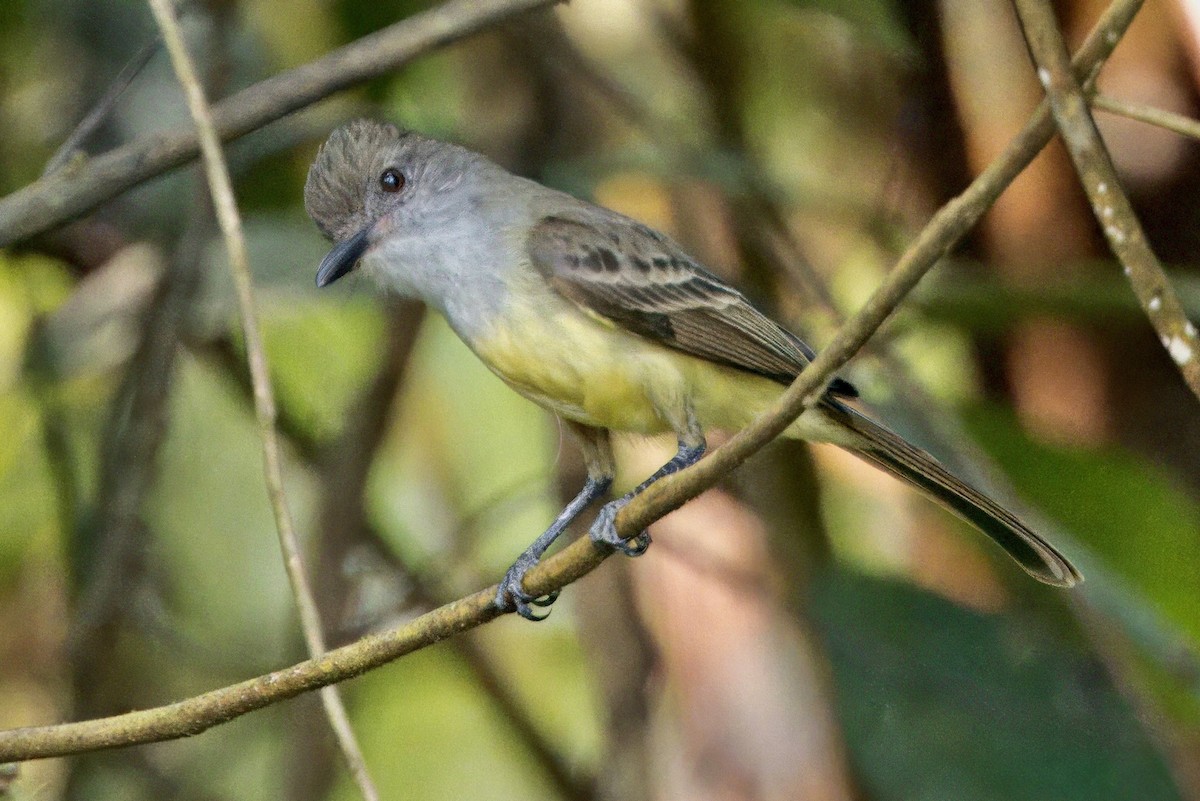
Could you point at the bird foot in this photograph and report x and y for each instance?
(511, 595)
(604, 531)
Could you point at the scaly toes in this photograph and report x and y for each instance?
(636, 545)
(511, 595)
(525, 608)
(604, 531)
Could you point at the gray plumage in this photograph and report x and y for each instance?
(335, 193)
(643, 281)
(576, 306)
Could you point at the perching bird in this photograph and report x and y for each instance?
(597, 318)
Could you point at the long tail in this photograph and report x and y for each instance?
(882, 448)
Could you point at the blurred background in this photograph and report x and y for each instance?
(810, 629)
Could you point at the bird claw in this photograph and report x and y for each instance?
(604, 531)
(511, 595)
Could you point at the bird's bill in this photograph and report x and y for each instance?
(342, 258)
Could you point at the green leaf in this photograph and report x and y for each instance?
(878, 20)
(1127, 510)
(941, 702)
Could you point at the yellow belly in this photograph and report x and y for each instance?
(580, 368)
(590, 371)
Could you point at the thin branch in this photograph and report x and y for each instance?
(67, 194)
(1176, 123)
(199, 713)
(103, 107)
(946, 228)
(427, 591)
(1098, 177)
(229, 220)
(221, 353)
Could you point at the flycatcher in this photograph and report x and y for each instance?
(603, 321)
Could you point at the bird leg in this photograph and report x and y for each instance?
(604, 529)
(597, 455)
(512, 595)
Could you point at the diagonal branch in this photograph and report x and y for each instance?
(1099, 179)
(228, 218)
(427, 590)
(69, 193)
(944, 231)
(199, 713)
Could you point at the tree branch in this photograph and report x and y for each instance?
(1099, 179)
(202, 712)
(427, 590)
(103, 107)
(946, 228)
(1169, 120)
(229, 219)
(69, 193)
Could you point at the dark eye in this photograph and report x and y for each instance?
(392, 180)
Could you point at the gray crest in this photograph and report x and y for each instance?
(335, 192)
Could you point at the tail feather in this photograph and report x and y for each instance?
(886, 450)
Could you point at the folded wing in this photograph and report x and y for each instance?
(645, 283)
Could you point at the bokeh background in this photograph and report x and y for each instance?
(811, 629)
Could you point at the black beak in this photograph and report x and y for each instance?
(342, 258)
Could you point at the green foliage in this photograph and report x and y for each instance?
(345, 337)
(934, 701)
(1138, 520)
(942, 702)
(29, 510)
(878, 21)
(430, 725)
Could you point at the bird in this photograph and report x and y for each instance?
(599, 319)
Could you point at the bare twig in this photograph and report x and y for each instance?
(1099, 179)
(949, 225)
(345, 466)
(264, 402)
(67, 194)
(427, 590)
(197, 714)
(1176, 123)
(103, 107)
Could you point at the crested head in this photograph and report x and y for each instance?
(398, 202)
(335, 193)
(346, 191)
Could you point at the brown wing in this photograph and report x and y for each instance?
(642, 281)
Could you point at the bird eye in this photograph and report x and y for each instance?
(392, 180)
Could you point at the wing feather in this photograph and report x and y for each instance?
(644, 282)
